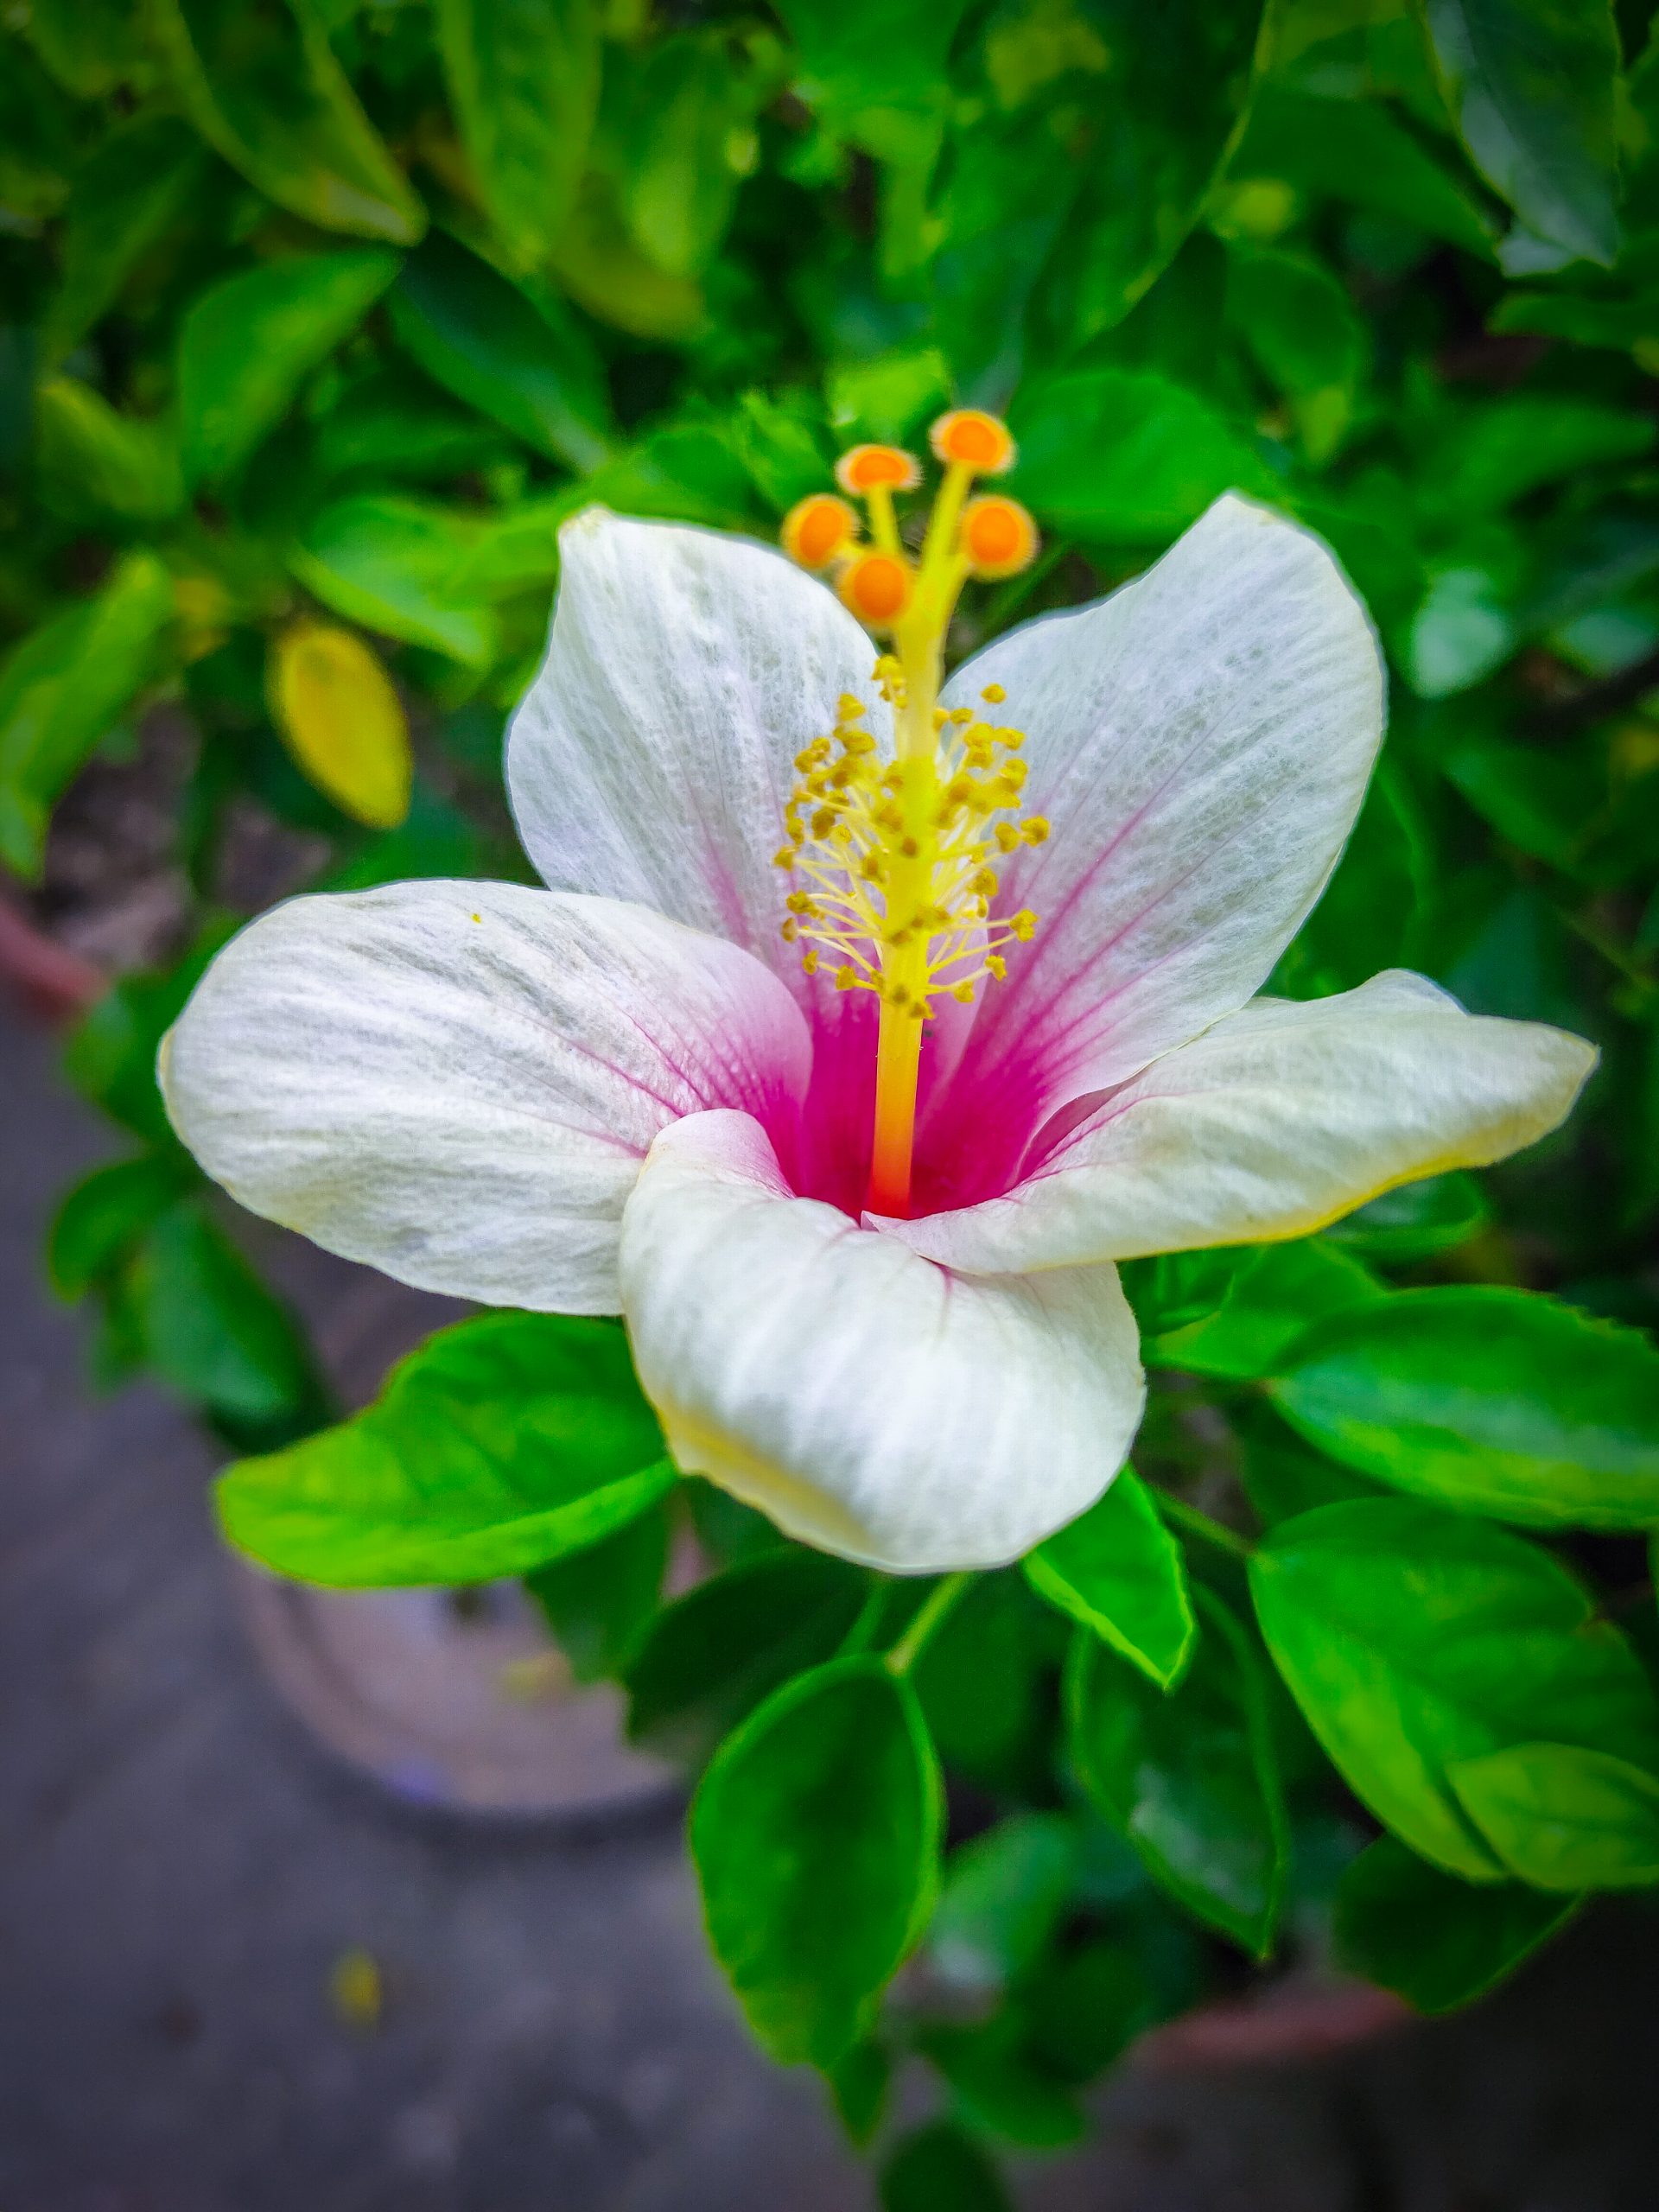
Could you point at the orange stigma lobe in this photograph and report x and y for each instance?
(817, 527)
(878, 468)
(876, 587)
(974, 441)
(999, 538)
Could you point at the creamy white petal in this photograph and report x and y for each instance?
(652, 755)
(457, 1082)
(871, 1403)
(1277, 1120)
(1199, 742)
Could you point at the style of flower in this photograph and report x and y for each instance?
(869, 1020)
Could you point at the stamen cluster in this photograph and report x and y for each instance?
(897, 856)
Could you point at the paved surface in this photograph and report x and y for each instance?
(180, 1871)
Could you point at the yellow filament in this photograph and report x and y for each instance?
(894, 862)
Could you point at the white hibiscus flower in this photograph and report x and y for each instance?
(865, 1023)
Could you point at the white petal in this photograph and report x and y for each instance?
(652, 755)
(871, 1403)
(457, 1082)
(1199, 743)
(1277, 1120)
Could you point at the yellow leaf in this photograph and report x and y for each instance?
(342, 721)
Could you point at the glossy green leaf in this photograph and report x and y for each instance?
(501, 1443)
(1438, 1942)
(124, 201)
(529, 367)
(247, 343)
(259, 80)
(1498, 1401)
(1171, 105)
(1486, 460)
(1000, 2087)
(392, 564)
(213, 1332)
(1414, 1639)
(62, 688)
(1532, 84)
(1109, 454)
(92, 459)
(1417, 1221)
(815, 1836)
(600, 1601)
(1190, 1777)
(90, 45)
(688, 138)
(715, 1654)
(938, 2168)
(1280, 1476)
(523, 81)
(1462, 631)
(1361, 152)
(1563, 1817)
(1118, 1570)
(102, 1219)
(1275, 1295)
(1305, 334)
(1002, 1898)
(860, 2082)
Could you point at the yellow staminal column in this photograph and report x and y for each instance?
(891, 875)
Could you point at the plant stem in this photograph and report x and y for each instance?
(861, 1634)
(1201, 1525)
(909, 1646)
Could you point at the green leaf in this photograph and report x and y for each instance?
(1171, 106)
(502, 1442)
(1438, 1942)
(599, 1602)
(1417, 1221)
(1189, 1778)
(210, 1329)
(1084, 2006)
(1118, 1570)
(397, 565)
(1532, 86)
(714, 1654)
(1414, 1639)
(527, 366)
(259, 81)
(1540, 801)
(523, 83)
(102, 1220)
(815, 1837)
(1122, 454)
(1003, 1896)
(687, 136)
(1000, 2087)
(1359, 151)
(1275, 1295)
(1461, 632)
(92, 458)
(1492, 456)
(939, 2168)
(860, 2082)
(1305, 334)
(1280, 1476)
(1498, 1401)
(90, 45)
(246, 345)
(1564, 1818)
(125, 199)
(62, 688)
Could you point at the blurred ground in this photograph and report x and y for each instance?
(180, 1871)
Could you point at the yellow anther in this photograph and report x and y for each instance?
(993, 694)
(809, 963)
(962, 713)
(848, 708)
(999, 538)
(1024, 924)
(1035, 827)
(963, 994)
(846, 976)
(817, 529)
(784, 857)
(973, 439)
(878, 468)
(877, 587)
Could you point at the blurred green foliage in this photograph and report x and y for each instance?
(323, 314)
